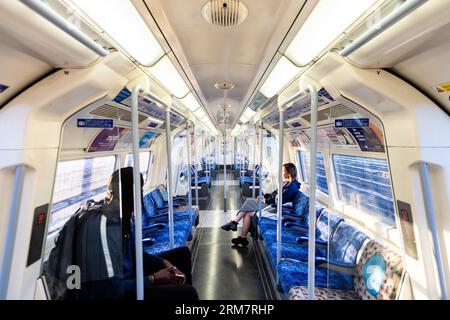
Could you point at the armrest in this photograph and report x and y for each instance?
(162, 211)
(320, 243)
(348, 268)
(296, 226)
(148, 242)
(289, 216)
(153, 227)
(157, 218)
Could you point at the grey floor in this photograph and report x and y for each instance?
(220, 270)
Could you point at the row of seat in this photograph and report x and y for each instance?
(349, 264)
(155, 222)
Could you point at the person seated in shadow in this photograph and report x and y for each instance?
(106, 255)
(251, 206)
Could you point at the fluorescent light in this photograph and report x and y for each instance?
(326, 22)
(190, 102)
(123, 23)
(166, 73)
(199, 113)
(249, 113)
(280, 76)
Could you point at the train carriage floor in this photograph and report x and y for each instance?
(221, 270)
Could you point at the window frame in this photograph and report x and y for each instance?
(363, 211)
(305, 175)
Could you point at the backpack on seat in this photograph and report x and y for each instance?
(68, 251)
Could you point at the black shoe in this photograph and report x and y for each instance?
(240, 241)
(230, 226)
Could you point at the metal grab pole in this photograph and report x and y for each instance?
(431, 217)
(406, 8)
(261, 141)
(189, 159)
(195, 166)
(254, 163)
(137, 192)
(225, 186)
(312, 194)
(11, 231)
(280, 188)
(169, 176)
(41, 8)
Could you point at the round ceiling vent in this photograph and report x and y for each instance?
(225, 13)
(224, 85)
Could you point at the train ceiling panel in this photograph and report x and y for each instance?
(211, 53)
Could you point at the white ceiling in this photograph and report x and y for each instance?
(209, 53)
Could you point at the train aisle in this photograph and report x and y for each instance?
(220, 270)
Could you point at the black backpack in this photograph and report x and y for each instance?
(66, 251)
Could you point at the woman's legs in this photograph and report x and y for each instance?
(247, 224)
(232, 225)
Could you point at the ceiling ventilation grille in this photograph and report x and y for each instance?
(225, 13)
(115, 113)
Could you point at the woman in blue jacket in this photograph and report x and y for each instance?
(250, 206)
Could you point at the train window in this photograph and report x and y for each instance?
(144, 162)
(322, 183)
(76, 182)
(364, 183)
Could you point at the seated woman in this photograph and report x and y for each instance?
(106, 252)
(250, 206)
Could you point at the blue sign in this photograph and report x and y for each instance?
(351, 123)
(3, 87)
(95, 123)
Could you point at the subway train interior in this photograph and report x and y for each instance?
(287, 149)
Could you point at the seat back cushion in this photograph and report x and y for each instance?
(345, 243)
(149, 205)
(301, 206)
(327, 223)
(163, 191)
(157, 198)
(379, 273)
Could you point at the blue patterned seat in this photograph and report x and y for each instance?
(378, 276)
(158, 248)
(151, 212)
(344, 245)
(202, 178)
(295, 273)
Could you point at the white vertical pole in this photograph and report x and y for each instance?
(225, 186)
(11, 231)
(137, 192)
(189, 159)
(169, 176)
(280, 187)
(195, 165)
(429, 209)
(261, 141)
(312, 194)
(254, 163)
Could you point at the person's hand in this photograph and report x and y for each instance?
(163, 276)
(178, 276)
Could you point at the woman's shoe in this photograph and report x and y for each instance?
(240, 241)
(230, 226)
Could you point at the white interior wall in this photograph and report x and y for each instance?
(38, 114)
